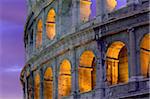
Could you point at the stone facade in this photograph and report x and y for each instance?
(128, 25)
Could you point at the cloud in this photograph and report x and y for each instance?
(13, 69)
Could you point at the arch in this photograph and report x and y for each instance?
(48, 84)
(117, 63)
(145, 55)
(115, 4)
(39, 34)
(64, 80)
(87, 10)
(37, 86)
(87, 71)
(51, 24)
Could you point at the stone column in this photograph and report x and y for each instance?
(77, 12)
(26, 90)
(75, 15)
(23, 90)
(44, 33)
(138, 50)
(133, 69)
(55, 80)
(74, 71)
(100, 9)
(31, 41)
(32, 85)
(34, 36)
(100, 70)
(41, 72)
(24, 87)
(58, 19)
(28, 44)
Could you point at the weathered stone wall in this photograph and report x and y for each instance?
(128, 25)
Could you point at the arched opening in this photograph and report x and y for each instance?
(87, 72)
(37, 87)
(117, 63)
(87, 10)
(50, 24)
(115, 4)
(39, 34)
(145, 56)
(64, 81)
(48, 84)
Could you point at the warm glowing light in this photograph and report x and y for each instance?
(37, 87)
(117, 63)
(85, 10)
(48, 84)
(123, 66)
(50, 24)
(39, 34)
(145, 56)
(111, 4)
(87, 72)
(115, 4)
(64, 83)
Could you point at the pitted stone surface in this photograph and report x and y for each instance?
(73, 38)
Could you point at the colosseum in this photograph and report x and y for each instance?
(87, 49)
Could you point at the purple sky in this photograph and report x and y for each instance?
(12, 20)
(121, 3)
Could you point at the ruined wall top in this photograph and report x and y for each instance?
(31, 4)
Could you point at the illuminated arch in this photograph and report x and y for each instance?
(39, 34)
(50, 24)
(48, 84)
(87, 9)
(64, 80)
(87, 72)
(37, 87)
(115, 4)
(117, 63)
(145, 55)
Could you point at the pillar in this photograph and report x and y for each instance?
(32, 85)
(44, 33)
(26, 93)
(75, 14)
(55, 80)
(100, 73)
(41, 72)
(74, 71)
(28, 44)
(34, 36)
(23, 89)
(133, 69)
(100, 9)
(58, 19)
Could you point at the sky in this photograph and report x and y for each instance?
(12, 57)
